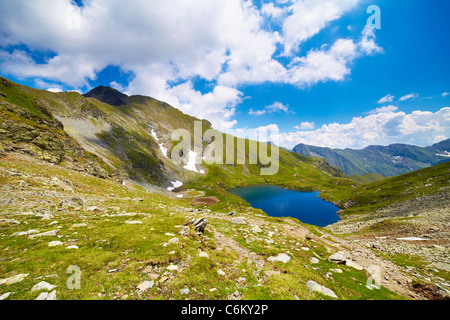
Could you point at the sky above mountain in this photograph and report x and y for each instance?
(311, 69)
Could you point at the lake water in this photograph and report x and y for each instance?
(280, 202)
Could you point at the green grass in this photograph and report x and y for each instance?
(107, 243)
(370, 197)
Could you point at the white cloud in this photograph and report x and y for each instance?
(306, 126)
(409, 97)
(257, 112)
(55, 89)
(389, 108)
(419, 128)
(277, 107)
(274, 107)
(445, 94)
(367, 42)
(387, 98)
(226, 42)
(308, 17)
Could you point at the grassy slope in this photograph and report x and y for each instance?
(369, 198)
(367, 177)
(107, 242)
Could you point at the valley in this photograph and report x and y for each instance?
(88, 181)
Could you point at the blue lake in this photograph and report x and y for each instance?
(280, 202)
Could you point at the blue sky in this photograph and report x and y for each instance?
(310, 69)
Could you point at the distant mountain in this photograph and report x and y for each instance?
(388, 161)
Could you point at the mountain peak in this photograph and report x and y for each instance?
(108, 95)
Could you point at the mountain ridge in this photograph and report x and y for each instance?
(391, 160)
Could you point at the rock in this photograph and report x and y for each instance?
(43, 285)
(235, 296)
(200, 224)
(93, 208)
(47, 296)
(350, 203)
(26, 233)
(172, 267)
(14, 279)
(232, 213)
(241, 279)
(12, 221)
(55, 243)
(270, 273)
(256, 229)
(79, 225)
(72, 247)
(44, 234)
(5, 296)
(133, 222)
(153, 276)
(174, 241)
(184, 231)
(220, 272)
(336, 270)
(338, 258)
(45, 216)
(238, 220)
(74, 203)
(314, 286)
(42, 296)
(353, 264)
(144, 286)
(203, 254)
(314, 260)
(185, 291)
(282, 257)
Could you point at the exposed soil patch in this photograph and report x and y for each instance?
(206, 200)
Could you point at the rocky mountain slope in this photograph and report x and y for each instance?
(388, 161)
(132, 137)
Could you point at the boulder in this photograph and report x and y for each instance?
(144, 286)
(200, 224)
(314, 286)
(44, 234)
(282, 257)
(14, 279)
(184, 231)
(338, 258)
(256, 229)
(239, 220)
(185, 291)
(43, 285)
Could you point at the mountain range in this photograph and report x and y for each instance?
(110, 134)
(386, 161)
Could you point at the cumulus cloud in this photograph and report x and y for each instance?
(167, 44)
(306, 126)
(419, 128)
(384, 109)
(308, 17)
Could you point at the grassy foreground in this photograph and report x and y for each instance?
(125, 236)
